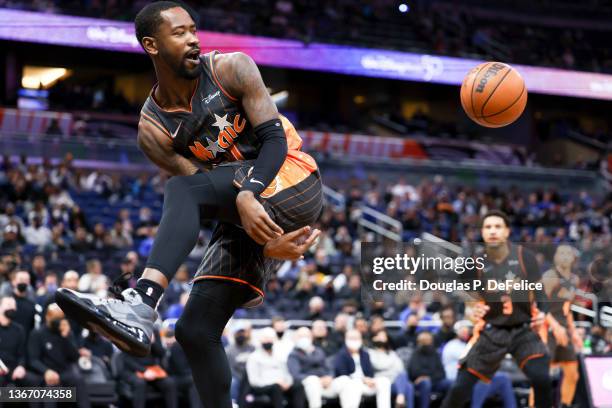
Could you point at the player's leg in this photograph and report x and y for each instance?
(569, 382)
(536, 371)
(480, 363)
(129, 323)
(210, 306)
(531, 354)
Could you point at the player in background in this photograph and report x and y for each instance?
(563, 341)
(508, 319)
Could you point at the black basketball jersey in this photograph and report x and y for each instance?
(215, 129)
(514, 307)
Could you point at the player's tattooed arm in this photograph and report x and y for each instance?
(158, 148)
(240, 77)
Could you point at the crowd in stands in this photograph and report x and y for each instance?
(65, 227)
(435, 27)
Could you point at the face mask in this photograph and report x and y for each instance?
(22, 287)
(267, 346)
(10, 313)
(279, 334)
(354, 344)
(380, 344)
(52, 288)
(304, 343)
(240, 339)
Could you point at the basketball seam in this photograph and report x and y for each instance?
(493, 91)
(472, 91)
(506, 108)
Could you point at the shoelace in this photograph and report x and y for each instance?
(118, 285)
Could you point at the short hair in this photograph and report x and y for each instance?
(496, 213)
(149, 17)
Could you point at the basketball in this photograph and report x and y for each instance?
(493, 94)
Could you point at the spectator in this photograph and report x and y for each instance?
(53, 354)
(26, 308)
(307, 365)
(285, 344)
(425, 370)
(70, 280)
(120, 237)
(176, 310)
(38, 271)
(320, 338)
(451, 355)
(354, 361)
(82, 241)
(11, 240)
(237, 355)
(336, 337)
(178, 369)
(316, 308)
(179, 285)
(139, 372)
(98, 346)
(13, 348)
(36, 234)
(387, 364)
(46, 292)
(446, 332)
(268, 373)
(94, 281)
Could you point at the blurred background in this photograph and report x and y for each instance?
(373, 89)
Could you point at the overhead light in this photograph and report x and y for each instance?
(403, 8)
(45, 77)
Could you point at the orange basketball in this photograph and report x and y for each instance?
(493, 94)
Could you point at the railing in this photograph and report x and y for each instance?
(334, 198)
(380, 223)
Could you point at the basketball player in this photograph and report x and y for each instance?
(507, 324)
(214, 110)
(560, 286)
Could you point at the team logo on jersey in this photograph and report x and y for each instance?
(228, 132)
(210, 97)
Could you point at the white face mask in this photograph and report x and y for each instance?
(304, 343)
(354, 344)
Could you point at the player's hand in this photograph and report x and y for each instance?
(538, 320)
(254, 219)
(291, 246)
(51, 377)
(480, 310)
(18, 373)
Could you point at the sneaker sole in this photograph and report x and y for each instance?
(90, 317)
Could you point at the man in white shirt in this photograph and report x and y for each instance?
(307, 364)
(354, 361)
(268, 373)
(37, 234)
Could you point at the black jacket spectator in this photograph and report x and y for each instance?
(345, 365)
(302, 364)
(425, 361)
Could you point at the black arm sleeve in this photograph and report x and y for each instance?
(271, 156)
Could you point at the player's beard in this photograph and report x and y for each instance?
(186, 73)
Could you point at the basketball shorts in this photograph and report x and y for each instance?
(293, 200)
(493, 343)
